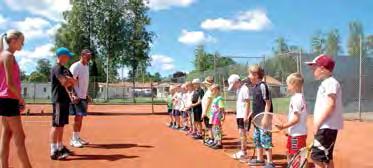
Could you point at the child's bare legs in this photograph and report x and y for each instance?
(259, 155)
(15, 126)
(243, 140)
(269, 155)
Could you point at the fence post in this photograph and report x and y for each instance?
(360, 75)
(151, 89)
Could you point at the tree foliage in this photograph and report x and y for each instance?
(353, 44)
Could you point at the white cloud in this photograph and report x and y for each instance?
(27, 58)
(167, 4)
(195, 37)
(251, 20)
(162, 63)
(51, 9)
(33, 28)
(3, 20)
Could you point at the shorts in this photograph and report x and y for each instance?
(60, 115)
(169, 111)
(216, 118)
(184, 114)
(327, 138)
(262, 139)
(9, 107)
(197, 115)
(295, 143)
(176, 113)
(242, 125)
(206, 120)
(80, 108)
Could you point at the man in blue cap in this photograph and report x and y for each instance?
(62, 95)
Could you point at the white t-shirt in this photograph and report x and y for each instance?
(297, 104)
(178, 98)
(243, 94)
(188, 98)
(205, 99)
(81, 73)
(327, 87)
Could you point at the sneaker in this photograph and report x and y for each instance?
(83, 142)
(64, 149)
(170, 125)
(76, 143)
(217, 146)
(255, 162)
(269, 165)
(55, 155)
(238, 155)
(64, 153)
(197, 136)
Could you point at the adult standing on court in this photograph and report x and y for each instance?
(11, 101)
(80, 71)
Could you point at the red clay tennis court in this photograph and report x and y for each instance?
(131, 136)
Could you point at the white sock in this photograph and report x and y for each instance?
(53, 148)
(75, 135)
(59, 145)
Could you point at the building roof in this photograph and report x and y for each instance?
(272, 81)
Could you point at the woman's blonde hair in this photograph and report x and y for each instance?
(295, 79)
(9, 35)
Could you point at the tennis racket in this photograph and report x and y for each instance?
(300, 159)
(268, 122)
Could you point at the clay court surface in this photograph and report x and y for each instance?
(130, 136)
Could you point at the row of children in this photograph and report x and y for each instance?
(189, 100)
(194, 103)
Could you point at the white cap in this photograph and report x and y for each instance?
(231, 80)
(196, 81)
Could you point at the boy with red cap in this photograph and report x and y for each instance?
(328, 110)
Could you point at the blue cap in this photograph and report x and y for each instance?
(63, 51)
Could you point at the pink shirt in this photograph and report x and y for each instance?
(4, 90)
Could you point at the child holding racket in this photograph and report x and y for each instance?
(206, 104)
(61, 79)
(297, 117)
(188, 104)
(261, 103)
(328, 117)
(242, 111)
(217, 116)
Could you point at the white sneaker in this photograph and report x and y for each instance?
(83, 142)
(238, 155)
(76, 144)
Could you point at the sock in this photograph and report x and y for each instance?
(59, 145)
(53, 148)
(75, 135)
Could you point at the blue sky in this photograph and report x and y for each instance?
(231, 27)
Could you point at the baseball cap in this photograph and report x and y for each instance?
(63, 51)
(208, 81)
(323, 60)
(196, 81)
(231, 80)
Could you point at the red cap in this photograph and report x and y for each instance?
(323, 60)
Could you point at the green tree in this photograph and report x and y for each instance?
(281, 46)
(157, 77)
(332, 43)
(24, 77)
(37, 77)
(369, 45)
(137, 45)
(44, 67)
(356, 32)
(317, 43)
